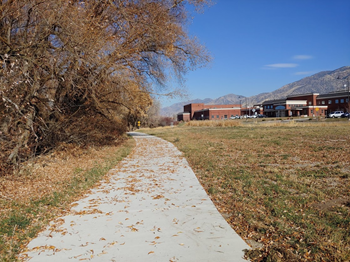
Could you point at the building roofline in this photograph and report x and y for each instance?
(333, 94)
(274, 101)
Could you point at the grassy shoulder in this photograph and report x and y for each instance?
(284, 187)
(45, 187)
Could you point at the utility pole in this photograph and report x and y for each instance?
(348, 85)
(348, 97)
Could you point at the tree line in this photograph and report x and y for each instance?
(80, 72)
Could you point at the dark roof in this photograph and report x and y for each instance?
(334, 94)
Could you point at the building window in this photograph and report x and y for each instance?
(342, 100)
(212, 116)
(217, 116)
(225, 116)
(337, 101)
(322, 111)
(309, 102)
(312, 111)
(318, 102)
(323, 102)
(329, 102)
(347, 100)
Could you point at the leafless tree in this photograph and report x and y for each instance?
(77, 71)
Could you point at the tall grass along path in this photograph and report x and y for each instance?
(150, 207)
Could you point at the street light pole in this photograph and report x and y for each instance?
(348, 78)
(348, 98)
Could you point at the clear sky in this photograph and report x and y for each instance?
(261, 45)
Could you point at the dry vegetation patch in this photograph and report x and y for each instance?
(44, 187)
(283, 187)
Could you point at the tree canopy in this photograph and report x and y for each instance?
(77, 71)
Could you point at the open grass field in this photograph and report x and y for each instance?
(284, 187)
(45, 187)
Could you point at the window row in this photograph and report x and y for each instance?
(336, 101)
(217, 116)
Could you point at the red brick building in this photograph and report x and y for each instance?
(307, 105)
(200, 111)
(335, 101)
(294, 105)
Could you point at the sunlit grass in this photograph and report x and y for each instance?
(21, 220)
(282, 184)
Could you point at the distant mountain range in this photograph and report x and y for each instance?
(322, 82)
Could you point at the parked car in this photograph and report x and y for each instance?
(346, 114)
(261, 116)
(335, 114)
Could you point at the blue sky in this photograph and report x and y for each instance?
(261, 45)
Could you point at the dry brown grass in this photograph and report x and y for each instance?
(44, 187)
(212, 123)
(283, 186)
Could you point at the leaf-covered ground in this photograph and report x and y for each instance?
(44, 188)
(285, 188)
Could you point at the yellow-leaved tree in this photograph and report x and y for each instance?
(82, 71)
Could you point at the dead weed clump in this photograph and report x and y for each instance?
(285, 187)
(215, 123)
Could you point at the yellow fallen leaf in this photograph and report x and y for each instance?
(151, 252)
(158, 197)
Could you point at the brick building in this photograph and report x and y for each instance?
(307, 105)
(335, 101)
(294, 105)
(200, 111)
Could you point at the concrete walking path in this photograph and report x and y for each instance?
(150, 207)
